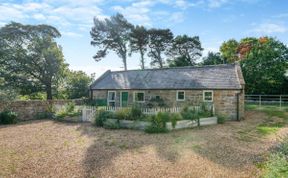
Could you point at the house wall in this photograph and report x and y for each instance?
(225, 101)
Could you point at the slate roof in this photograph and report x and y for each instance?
(206, 77)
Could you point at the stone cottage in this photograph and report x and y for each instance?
(220, 85)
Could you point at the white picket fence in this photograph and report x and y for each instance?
(88, 112)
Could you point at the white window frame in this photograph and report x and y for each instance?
(212, 93)
(134, 96)
(177, 99)
(110, 101)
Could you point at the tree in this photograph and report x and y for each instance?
(185, 51)
(77, 84)
(264, 66)
(229, 50)
(213, 59)
(139, 39)
(33, 61)
(160, 41)
(111, 34)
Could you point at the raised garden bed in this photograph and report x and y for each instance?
(182, 124)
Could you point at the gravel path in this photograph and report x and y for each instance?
(53, 149)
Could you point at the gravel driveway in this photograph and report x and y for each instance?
(55, 149)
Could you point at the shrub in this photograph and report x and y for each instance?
(189, 114)
(277, 166)
(136, 112)
(174, 117)
(70, 107)
(8, 117)
(123, 114)
(111, 125)
(101, 116)
(158, 123)
(221, 119)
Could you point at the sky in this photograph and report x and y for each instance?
(214, 21)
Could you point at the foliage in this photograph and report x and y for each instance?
(101, 116)
(8, 117)
(111, 34)
(77, 84)
(123, 114)
(229, 50)
(158, 123)
(68, 111)
(136, 112)
(139, 39)
(221, 119)
(213, 59)
(189, 114)
(277, 164)
(34, 96)
(184, 51)
(174, 117)
(111, 125)
(264, 68)
(263, 62)
(160, 41)
(33, 61)
(206, 110)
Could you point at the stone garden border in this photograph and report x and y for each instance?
(182, 124)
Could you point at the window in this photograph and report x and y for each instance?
(180, 96)
(139, 97)
(208, 96)
(111, 98)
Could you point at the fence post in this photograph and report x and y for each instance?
(259, 100)
(280, 101)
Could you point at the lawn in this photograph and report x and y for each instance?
(47, 148)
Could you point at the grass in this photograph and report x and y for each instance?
(266, 130)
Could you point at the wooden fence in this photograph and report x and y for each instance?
(88, 112)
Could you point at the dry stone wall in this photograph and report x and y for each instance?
(27, 110)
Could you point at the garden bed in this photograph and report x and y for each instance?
(182, 124)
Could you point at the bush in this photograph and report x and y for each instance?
(277, 164)
(158, 123)
(174, 117)
(111, 125)
(123, 114)
(136, 112)
(8, 117)
(70, 107)
(189, 114)
(221, 119)
(101, 116)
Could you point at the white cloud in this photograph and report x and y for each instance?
(177, 17)
(39, 16)
(269, 28)
(137, 12)
(283, 15)
(71, 34)
(216, 3)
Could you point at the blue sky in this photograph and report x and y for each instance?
(214, 21)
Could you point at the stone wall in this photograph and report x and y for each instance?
(225, 101)
(27, 110)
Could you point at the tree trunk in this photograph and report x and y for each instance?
(49, 92)
(142, 60)
(124, 61)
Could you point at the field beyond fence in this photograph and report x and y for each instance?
(273, 101)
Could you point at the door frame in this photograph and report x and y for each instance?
(121, 97)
